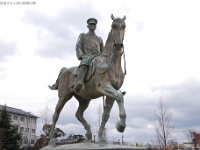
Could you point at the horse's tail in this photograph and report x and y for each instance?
(55, 86)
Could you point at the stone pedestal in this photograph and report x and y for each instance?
(86, 146)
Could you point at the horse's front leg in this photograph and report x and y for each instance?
(106, 114)
(54, 120)
(62, 100)
(109, 91)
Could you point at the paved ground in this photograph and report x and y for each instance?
(86, 146)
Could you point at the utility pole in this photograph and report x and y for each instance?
(94, 138)
(122, 139)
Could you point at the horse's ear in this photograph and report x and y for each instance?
(124, 18)
(112, 17)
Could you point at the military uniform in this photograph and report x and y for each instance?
(88, 46)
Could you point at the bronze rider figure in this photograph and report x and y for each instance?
(88, 46)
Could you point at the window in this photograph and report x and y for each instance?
(10, 116)
(33, 130)
(32, 141)
(15, 117)
(15, 127)
(28, 119)
(25, 139)
(34, 120)
(27, 130)
(21, 129)
(22, 119)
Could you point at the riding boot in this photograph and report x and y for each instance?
(80, 78)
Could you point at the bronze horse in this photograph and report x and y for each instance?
(106, 78)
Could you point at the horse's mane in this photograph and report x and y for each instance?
(107, 47)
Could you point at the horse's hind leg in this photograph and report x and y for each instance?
(63, 98)
(83, 105)
(106, 114)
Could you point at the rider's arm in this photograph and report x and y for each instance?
(80, 47)
(101, 45)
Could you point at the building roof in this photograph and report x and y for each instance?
(17, 111)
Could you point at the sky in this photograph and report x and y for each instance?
(162, 60)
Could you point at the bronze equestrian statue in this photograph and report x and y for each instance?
(104, 78)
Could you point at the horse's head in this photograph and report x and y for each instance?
(118, 31)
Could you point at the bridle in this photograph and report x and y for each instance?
(122, 53)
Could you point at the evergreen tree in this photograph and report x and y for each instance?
(10, 138)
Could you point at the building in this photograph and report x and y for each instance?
(188, 145)
(25, 122)
(196, 140)
(195, 144)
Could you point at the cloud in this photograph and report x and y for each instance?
(183, 102)
(57, 35)
(7, 50)
(139, 25)
(2, 73)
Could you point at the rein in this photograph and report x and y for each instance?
(123, 52)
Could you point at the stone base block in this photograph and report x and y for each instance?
(87, 146)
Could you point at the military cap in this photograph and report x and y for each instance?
(92, 20)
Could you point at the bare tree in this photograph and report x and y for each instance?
(98, 121)
(163, 126)
(190, 133)
(45, 118)
(99, 111)
(46, 115)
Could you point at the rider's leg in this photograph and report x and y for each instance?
(80, 78)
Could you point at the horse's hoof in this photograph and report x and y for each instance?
(51, 143)
(87, 141)
(102, 142)
(120, 126)
(88, 136)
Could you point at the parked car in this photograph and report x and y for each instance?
(71, 139)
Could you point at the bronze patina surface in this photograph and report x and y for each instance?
(105, 77)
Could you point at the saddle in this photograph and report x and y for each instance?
(97, 65)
